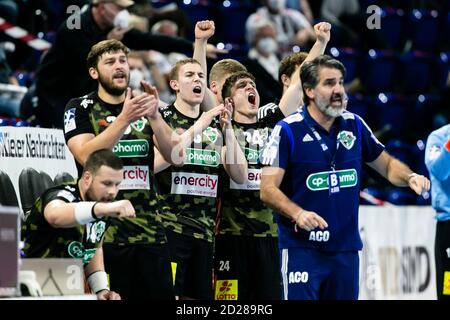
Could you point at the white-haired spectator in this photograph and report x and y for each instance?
(263, 60)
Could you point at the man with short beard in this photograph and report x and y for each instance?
(69, 221)
(113, 117)
(313, 161)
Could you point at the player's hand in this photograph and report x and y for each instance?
(419, 183)
(118, 209)
(153, 102)
(117, 33)
(206, 118)
(108, 295)
(309, 220)
(322, 31)
(204, 29)
(226, 115)
(134, 107)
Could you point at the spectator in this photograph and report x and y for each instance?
(62, 74)
(292, 27)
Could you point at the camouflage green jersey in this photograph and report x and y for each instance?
(243, 213)
(44, 241)
(189, 192)
(89, 114)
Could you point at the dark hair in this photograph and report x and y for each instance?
(102, 157)
(173, 75)
(289, 63)
(102, 47)
(224, 67)
(231, 80)
(309, 72)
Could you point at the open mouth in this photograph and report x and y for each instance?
(252, 98)
(119, 75)
(197, 89)
(336, 98)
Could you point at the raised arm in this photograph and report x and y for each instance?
(293, 96)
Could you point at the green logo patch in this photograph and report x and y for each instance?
(201, 157)
(131, 148)
(139, 124)
(347, 139)
(319, 181)
(211, 134)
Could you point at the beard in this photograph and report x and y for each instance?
(90, 196)
(110, 88)
(324, 105)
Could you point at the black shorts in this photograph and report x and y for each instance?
(193, 273)
(442, 258)
(249, 263)
(139, 271)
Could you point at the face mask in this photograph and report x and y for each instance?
(276, 4)
(122, 19)
(136, 76)
(267, 45)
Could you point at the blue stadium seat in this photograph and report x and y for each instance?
(375, 192)
(443, 68)
(418, 156)
(424, 29)
(358, 104)
(423, 200)
(351, 60)
(196, 10)
(390, 110)
(401, 196)
(379, 70)
(231, 17)
(422, 111)
(393, 27)
(400, 150)
(416, 72)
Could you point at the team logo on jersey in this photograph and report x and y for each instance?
(347, 139)
(131, 148)
(307, 138)
(139, 124)
(212, 134)
(202, 157)
(226, 290)
(69, 120)
(319, 181)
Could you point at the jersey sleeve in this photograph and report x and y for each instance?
(270, 114)
(371, 146)
(76, 120)
(57, 194)
(276, 152)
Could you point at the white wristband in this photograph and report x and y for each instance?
(98, 281)
(83, 212)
